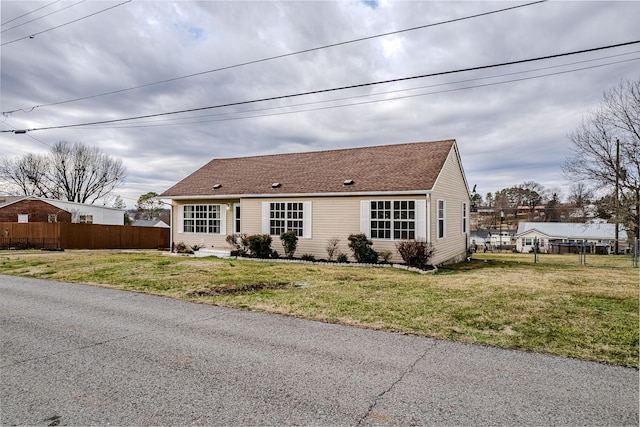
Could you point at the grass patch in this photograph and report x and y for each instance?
(556, 307)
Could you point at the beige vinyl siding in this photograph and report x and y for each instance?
(452, 188)
(331, 217)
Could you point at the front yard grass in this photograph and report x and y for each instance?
(556, 307)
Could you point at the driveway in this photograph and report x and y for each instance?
(83, 355)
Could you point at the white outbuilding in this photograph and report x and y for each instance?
(562, 237)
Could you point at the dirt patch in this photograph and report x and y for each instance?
(236, 288)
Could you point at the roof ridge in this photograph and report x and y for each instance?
(334, 150)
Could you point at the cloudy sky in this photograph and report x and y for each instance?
(81, 62)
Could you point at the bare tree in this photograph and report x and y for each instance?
(149, 206)
(580, 197)
(593, 158)
(73, 172)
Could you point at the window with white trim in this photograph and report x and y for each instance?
(201, 219)
(286, 216)
(85, 219)
(393, 219)
(236, 218)
(464, 218)
(278, 217)
(441, 219)
(23, 218)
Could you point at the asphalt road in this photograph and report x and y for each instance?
(83, 355)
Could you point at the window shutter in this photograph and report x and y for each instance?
(421, 220)
(365, 217)
(265, 217)
(306, 220)
(181, 219)
(223, 219)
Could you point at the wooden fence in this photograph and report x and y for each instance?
(64, 235)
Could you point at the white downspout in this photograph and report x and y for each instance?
(428, 217)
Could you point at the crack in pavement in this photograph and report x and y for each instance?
(375, 401)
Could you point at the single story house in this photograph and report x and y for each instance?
(557, 237)
(40, 209)
(390, 193)
(493, 239)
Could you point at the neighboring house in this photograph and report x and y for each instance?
(150, 223)
(390, 193)
(559, 237)
(494, 239)
(40, 209)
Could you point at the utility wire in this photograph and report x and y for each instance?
(43, 16)
(190, 119)
(65, 24)
(30, 136)
(26, 109)
(273, 98)
(28, 13)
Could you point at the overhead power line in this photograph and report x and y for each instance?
(194, 119)
(65, 24)
(273, 98)
(29, 13)
(43, 16)
(285, 55)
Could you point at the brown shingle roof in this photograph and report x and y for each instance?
(400, 167)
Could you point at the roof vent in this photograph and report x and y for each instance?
(276, 185)
(348, 182)
(216, 186)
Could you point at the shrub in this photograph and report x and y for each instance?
(308, 257)
(259, 245)
(342, 258)
(361, 247)
(182, 248)
(415, 253)
(275, 254)
(332, 247)
(236, 243)
(289, 242)
(386, 256)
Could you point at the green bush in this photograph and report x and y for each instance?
(415, 253)
(289, 243)
(259, 245)
(361, 247)
(342, 258)
(308, 257)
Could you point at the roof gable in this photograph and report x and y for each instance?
(388, 168)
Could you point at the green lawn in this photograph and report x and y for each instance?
(556, 307)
